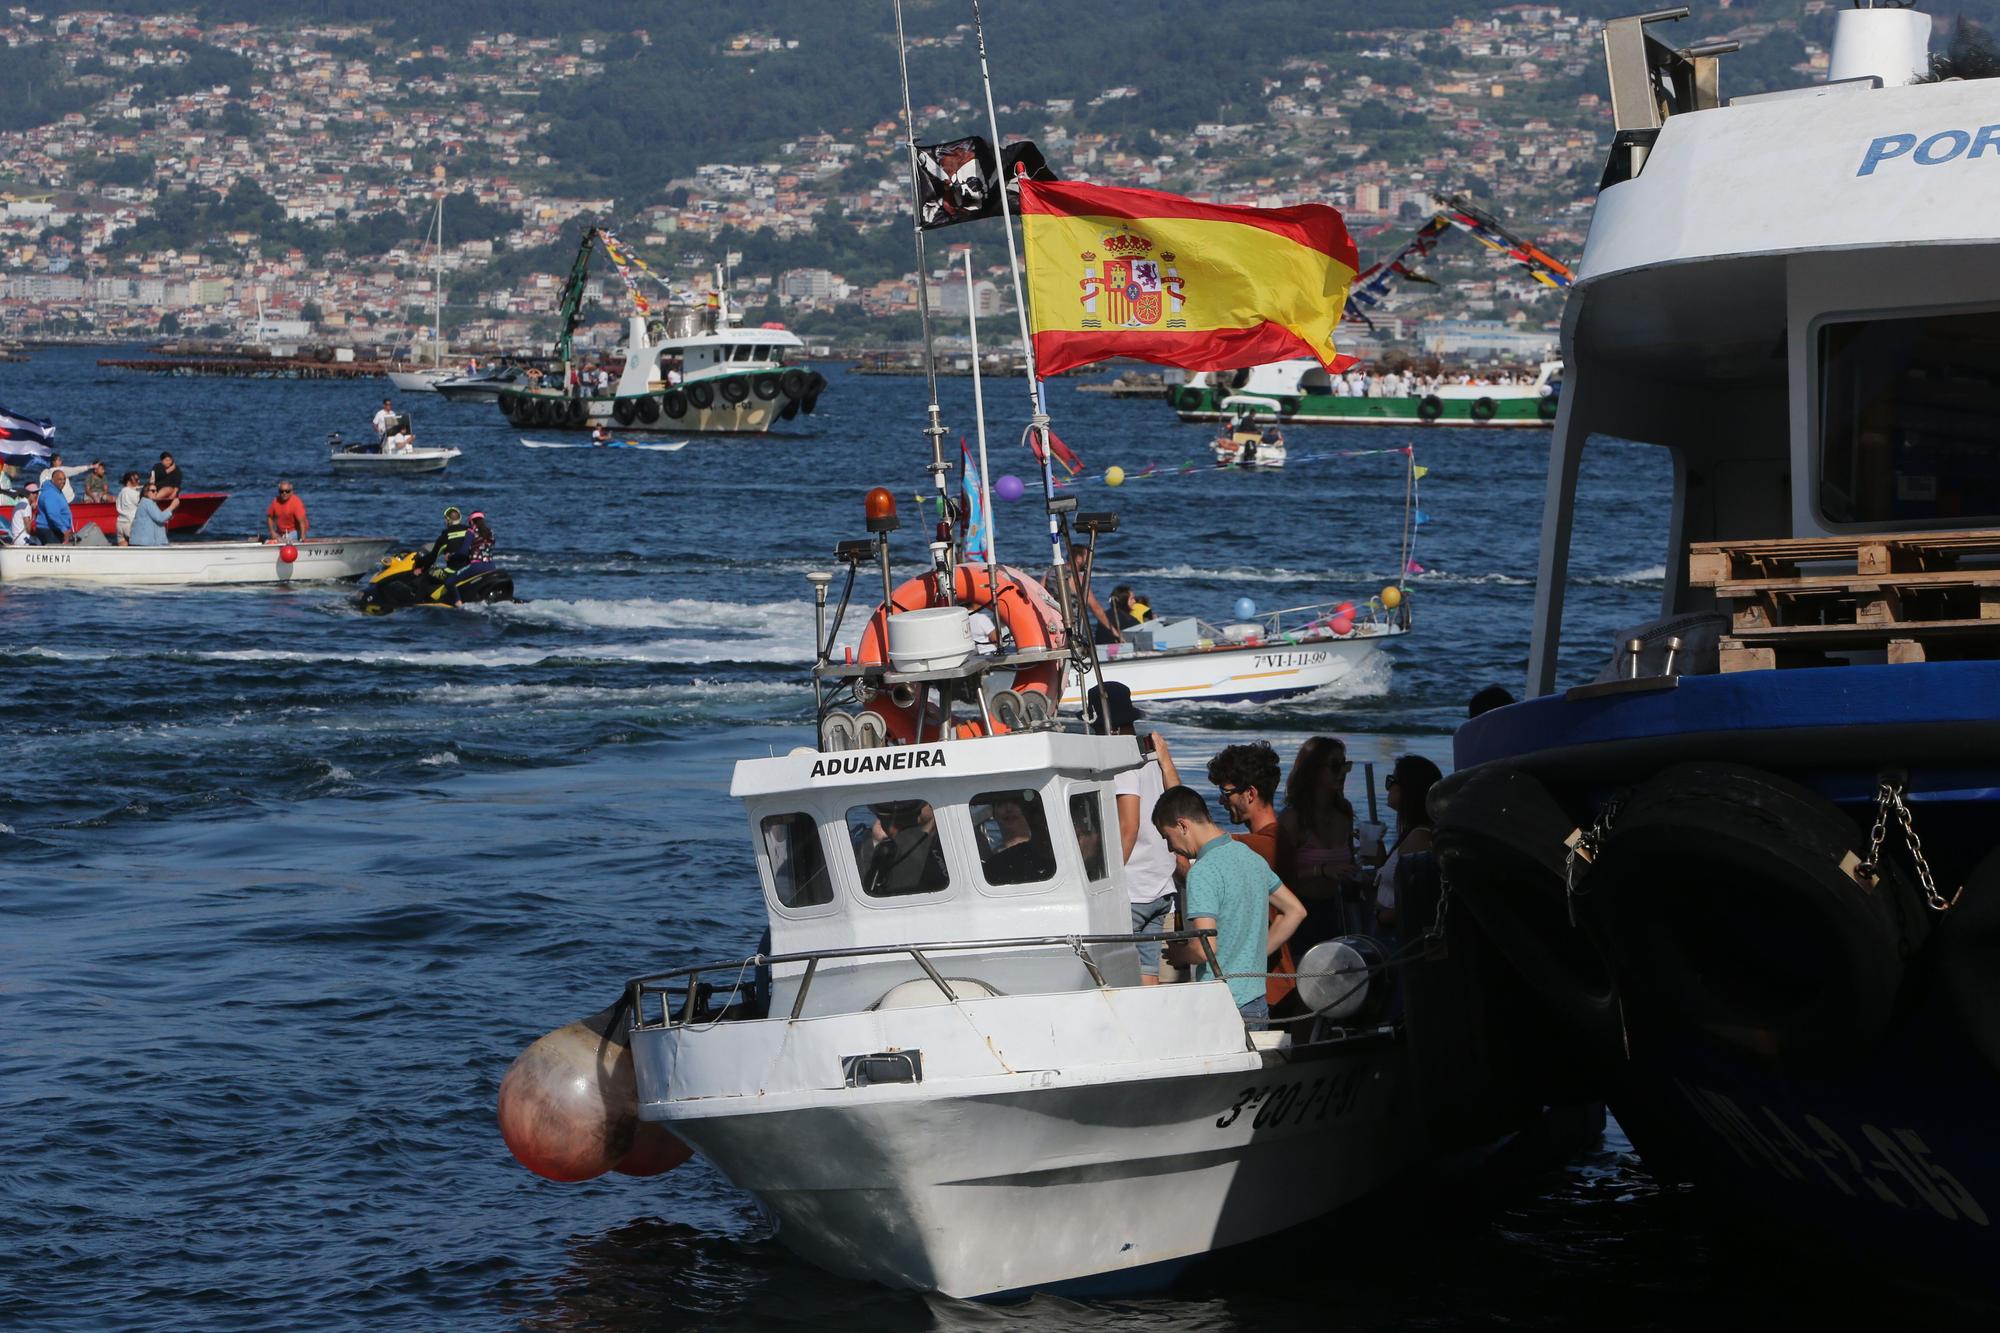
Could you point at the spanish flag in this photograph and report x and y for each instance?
(1138, 273)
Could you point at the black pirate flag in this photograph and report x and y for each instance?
(956, 181)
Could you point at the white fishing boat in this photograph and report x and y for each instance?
(378, 457)
(689, 368)
(1290, 652)
(944, 1072)
(184, 564)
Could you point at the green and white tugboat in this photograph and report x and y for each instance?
(1302, 392)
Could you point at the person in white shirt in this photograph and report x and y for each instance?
(21, 526)
(985, 634)
(1149, 864)
(52, 471)
(128, 505)
(385, 420)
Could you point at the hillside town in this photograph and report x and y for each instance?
(277, 184)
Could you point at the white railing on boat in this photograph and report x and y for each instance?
(685, 984)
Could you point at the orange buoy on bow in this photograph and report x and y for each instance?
(569, 1105)
(1018, 602)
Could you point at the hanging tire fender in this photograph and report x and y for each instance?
(1503, 847)
(649, 409)
(1484, 409)
(673, 402)
(792, 382)
(765, 386)
(701, 394)
(624, 411)
(735, 390)
(1430, 408)
(1729, 901)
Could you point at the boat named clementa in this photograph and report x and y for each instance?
(1752, 871)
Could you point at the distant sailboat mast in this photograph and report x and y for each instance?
(437, 285)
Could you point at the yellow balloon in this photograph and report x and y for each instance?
(1392, 596)
(1114, 475)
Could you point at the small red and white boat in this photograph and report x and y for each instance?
(196, 508)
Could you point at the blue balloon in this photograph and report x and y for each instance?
(1245, 608)
(1420, 517)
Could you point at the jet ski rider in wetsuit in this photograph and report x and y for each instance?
(450, 544)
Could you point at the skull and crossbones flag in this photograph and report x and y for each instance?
(957, 182)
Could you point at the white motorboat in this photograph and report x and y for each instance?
(944, 1073)
(1290, 652)
(420, 379)
(477, 385)
(183, 564)
(375, 456)
(1247, 446)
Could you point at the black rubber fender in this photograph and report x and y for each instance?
(765, 386)
(792, 382)
(1187, 398)
(649, 409)
(1547, 407)
(1502, 845)
(701, 394)
(509, 405)
(674, 403)
(1726, 899)
(1967, 944)
(1430, 408)
(1484, 409)
(624, 411)
(815, 386)
(734, 390)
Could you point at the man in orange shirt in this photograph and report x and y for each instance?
(1247, 778)
(285, 519)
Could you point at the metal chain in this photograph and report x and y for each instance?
(1888, 801)
(1585, 847)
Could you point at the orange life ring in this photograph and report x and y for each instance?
(1021, 604)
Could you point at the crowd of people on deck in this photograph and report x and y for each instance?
(1301, 870)
(1407, 383)
(41, 513)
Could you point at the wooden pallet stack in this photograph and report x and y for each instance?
(1914, 596)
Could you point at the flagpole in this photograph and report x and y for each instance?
(936, 429)
(992, 542)
(1039, 422)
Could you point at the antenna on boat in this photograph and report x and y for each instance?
(1038, 422)
(990, 541)
(936, 428)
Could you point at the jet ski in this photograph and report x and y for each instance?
(400, 583)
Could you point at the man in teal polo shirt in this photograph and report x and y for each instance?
(1231, 891)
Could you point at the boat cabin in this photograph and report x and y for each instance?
(698, 348)
(1797, 295)
(1003, 838)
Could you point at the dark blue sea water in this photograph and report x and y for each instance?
(284, 888)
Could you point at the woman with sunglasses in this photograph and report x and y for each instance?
(1409, 787)
(1316, 838)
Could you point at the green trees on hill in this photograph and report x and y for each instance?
(39, 88)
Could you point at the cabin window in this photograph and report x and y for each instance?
(1907, 412)
(760, 354)
(896, 849)
(1013, 837)
(740, 352)
(1086, 816)
(798, 861)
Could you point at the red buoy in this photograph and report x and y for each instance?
(288, 553)
(569, 1105)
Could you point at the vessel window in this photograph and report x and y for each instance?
(798, 861)
(1907, 415)
(896, 849)
(760, 353)
(1086, 813)
(740, 352)
(1013, 836)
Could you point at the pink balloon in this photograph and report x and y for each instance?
(1415, 568)
(1341, 624)
(1008, 487)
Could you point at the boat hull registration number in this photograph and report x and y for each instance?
(1270, 1105)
